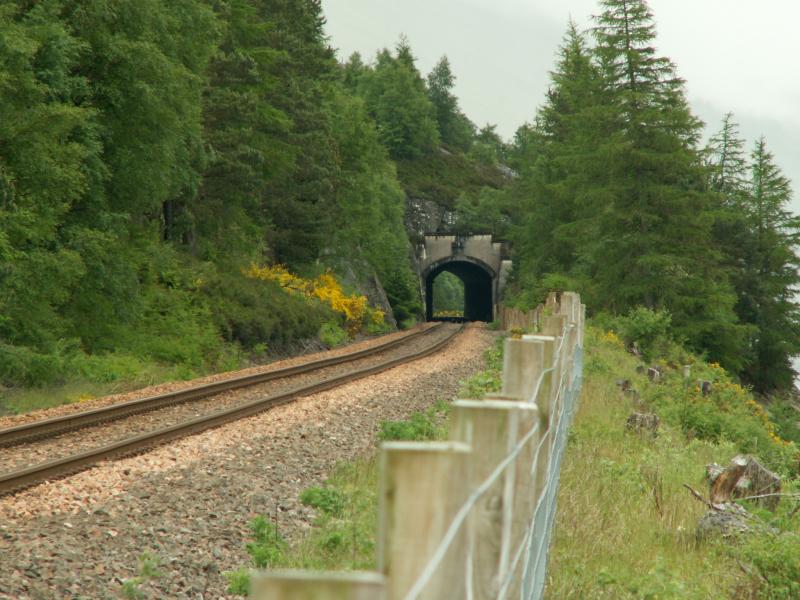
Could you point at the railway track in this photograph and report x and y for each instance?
(28, 476)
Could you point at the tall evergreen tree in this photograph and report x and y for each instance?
(727, 162)
(558, 180)
(657, 246)
(302, 71)
(455, 128)
(247, 137)
(771, 275)
(397, 99)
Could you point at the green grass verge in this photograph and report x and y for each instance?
(626, 526)
(98, 376)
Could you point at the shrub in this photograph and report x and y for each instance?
(20, 365)
(267, 547)
(648, 329)
(327, 500)
(332, 335)
(419, 427)
(257, 313)
(776, 559)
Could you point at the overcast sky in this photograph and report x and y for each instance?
(736, 55)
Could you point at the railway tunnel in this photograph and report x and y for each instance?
(477, 260)
(478, 294)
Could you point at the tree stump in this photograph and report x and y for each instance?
(745, 477)
(643, 422)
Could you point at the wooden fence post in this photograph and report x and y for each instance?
(498, 522)
(304, 585)
(423, 485)
(522, 365)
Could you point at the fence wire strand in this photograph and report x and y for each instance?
(537, 538)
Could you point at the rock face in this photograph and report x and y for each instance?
(426, 216)
(363, 277)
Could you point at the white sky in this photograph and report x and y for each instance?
(736, 55)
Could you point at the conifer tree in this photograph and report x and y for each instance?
(656, 247)
(727, 162)
(397, 99)
(455, 128)
(770, 275)
(557, 183)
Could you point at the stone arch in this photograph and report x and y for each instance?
(479, 282)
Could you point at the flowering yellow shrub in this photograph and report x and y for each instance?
(613, 339)
(324, 288)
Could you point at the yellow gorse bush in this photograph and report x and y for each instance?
(613, 339)
(324, 288)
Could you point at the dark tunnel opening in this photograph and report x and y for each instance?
(478, 287)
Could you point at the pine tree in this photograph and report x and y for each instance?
(558, 182)
(248, 140)
(727, 162)
(770, 275)
(656, 247)
(456, 130)
(299, 80)
(397, 99)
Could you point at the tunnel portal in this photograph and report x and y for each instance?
(477, 260)
(478, 290)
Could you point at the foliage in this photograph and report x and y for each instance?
(419, 427)
(650, 330)
(148, 569)
(730, 414)
(343, 538)
(443, 177)
(332, 335)
(329, 500)
(267, 549)
(776, 559)
(267, 546)
(238, 581)
(489, 380)
(396, 98)
(455, 129)
(324, 288)
(620, 486)
(448, 294)
(615, 195)
(152, 148)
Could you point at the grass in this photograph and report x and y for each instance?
(114, 375)
(23, 400)
(625, 526)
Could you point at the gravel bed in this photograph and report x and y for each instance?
(7, 421)
(189, 502)
(29, 454)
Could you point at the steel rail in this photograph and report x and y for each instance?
(56, 425)
(30, 476)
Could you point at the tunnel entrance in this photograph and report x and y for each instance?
(477, 296)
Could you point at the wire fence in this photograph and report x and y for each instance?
(473, 517)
